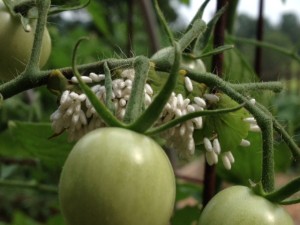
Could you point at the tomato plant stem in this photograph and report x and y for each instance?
(136, 101)
(151, 114)
(33, 64)
(28, 185)
(164, 22)
(108, 88)
(284, 192)
(189, 116)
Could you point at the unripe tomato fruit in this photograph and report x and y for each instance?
(239, 205)
(194, 64)
(114, 176)
(16, 45)
(166, 56)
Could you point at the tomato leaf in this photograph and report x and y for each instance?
(32, 140)
(229, 127)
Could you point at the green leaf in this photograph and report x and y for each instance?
(186, 2)
(22, 219)
(229, 127)
(247, 163)
(32, 140)
(185, 190)
(237, 68)
(186, 216)
(98, 13)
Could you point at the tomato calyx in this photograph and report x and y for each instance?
(280, 196)
(26, 11)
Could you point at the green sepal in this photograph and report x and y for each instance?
(25, 10)
(229, 128)
(68, 7)
(57, 83)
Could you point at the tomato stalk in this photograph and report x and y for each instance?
(189, 116)
(33, 64)
(164, 22)
(275, 86)
(284, 192)
(136, 101)
(152, 113)
(108, 88)
(29, 185)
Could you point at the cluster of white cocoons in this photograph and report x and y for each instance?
(77, 116)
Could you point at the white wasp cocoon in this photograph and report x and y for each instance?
(207, 144)
(188, 84)
(211, 98)
(101, 76)
(226, 162)
(64, 97)
(245, 143)
(211, 158)
(254, 128)
(74, 95)
(230, 156)
(216, 146)
(95, 77)
(82, 97)
(250, 120)
(148, 89)
(200, 102)
(252, 101)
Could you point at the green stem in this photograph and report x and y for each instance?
(283, 133)
(281, 50)
(290, 202)
(33, 64)
(164, 22)
(108, 88)
(165, 59)
(287, 139)
(40, 78)
(28, 185)
(152, 113)
(215, 51)
(189, 116)
(268, 171)
(136, 101)
(274, 86)
(285, 191)
(63, 8)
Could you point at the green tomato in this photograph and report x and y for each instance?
(194, 64)
(16, 45)
(166, 56)
(239, 205)
(115, 176)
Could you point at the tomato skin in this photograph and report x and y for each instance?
(166, 56)
(114, 176)
(16, 45)
(238, 205)
(194, 64)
